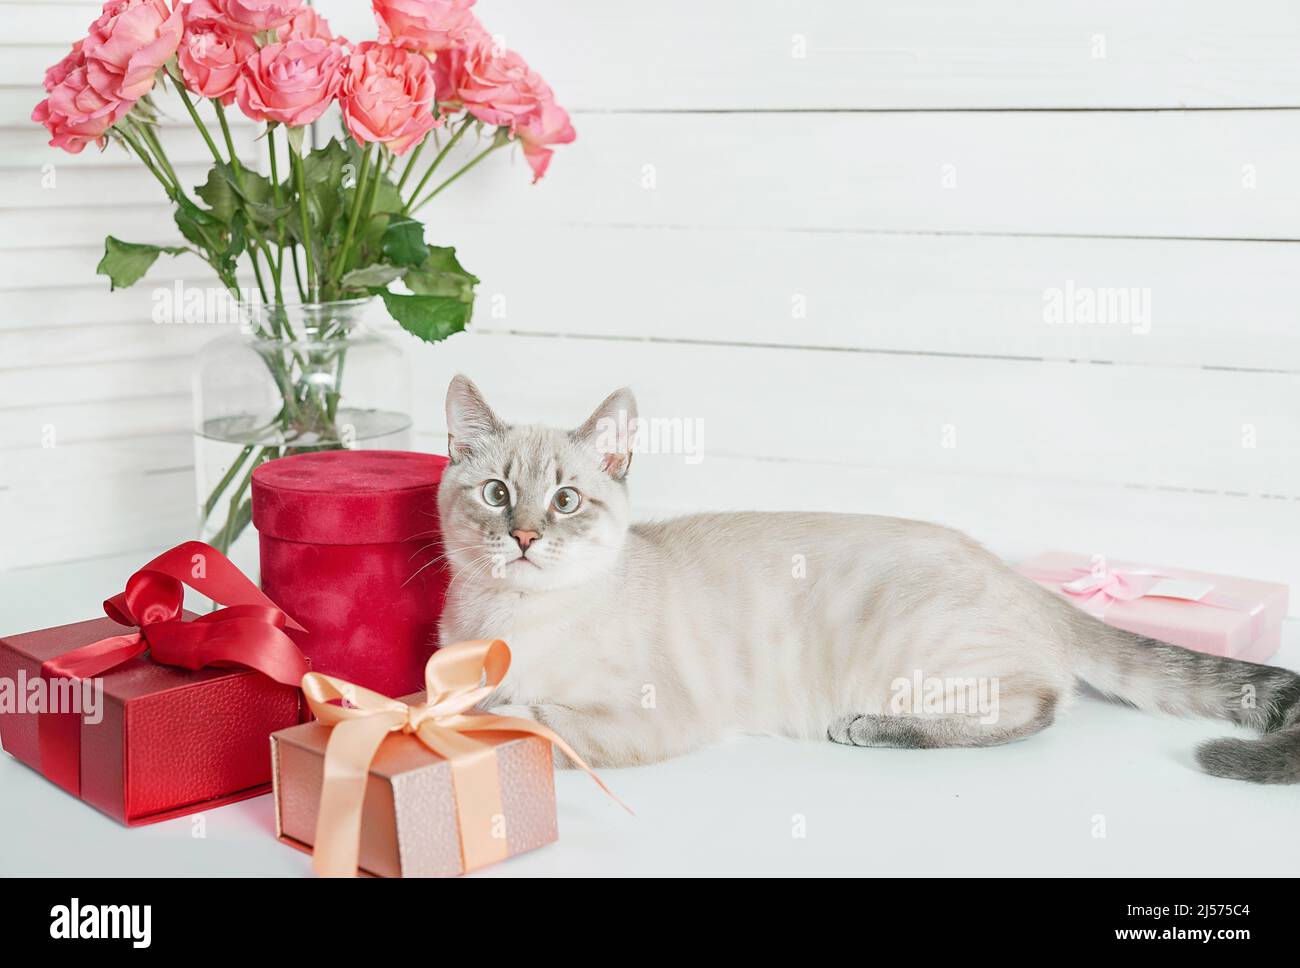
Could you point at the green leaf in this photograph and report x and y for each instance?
(254, 189)
(431, 318)
(371, 277)
(403, 241)
(325, 164)
(269, 214)
(126, 262)
(196, 224)
(386, 198)
(249, 185)
(322, 174)
(441, 274)
(370, 237)
(237, 242)
(219, 193)
(221, 243)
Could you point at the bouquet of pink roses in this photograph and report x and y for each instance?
(323, 225)
(432, 76)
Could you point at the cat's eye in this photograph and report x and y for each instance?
(566, 500)
(496, 494)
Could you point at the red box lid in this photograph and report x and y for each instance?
(348, 497)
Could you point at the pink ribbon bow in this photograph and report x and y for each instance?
(1101, 587)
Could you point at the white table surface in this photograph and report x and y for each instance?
(754, 806)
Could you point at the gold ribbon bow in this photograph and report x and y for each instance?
(458, 677)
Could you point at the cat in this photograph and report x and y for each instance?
(638, 642)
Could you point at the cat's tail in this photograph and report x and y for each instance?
(1160, 677)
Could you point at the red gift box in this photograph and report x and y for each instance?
(350, 543)
(179, 730)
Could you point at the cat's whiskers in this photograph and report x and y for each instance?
(434, 561)
(475, 568)
(448, 552)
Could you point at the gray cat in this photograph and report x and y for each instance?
(640, 642)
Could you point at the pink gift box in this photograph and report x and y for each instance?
(1219, 614)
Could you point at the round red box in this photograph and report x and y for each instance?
(350, 547)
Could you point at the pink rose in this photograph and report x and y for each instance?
(292, 83)
(211, 56)
(448, 69)
(498, 87)
(449, 65)
(77, 114)
(425, 25)
(307, 24)
(127, 45)
(548, 125)
(387, 96)
(71, 61)
(247, 16)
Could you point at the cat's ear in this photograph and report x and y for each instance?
(611, 432)
(469, 418)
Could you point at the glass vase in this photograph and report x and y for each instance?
(296, 378)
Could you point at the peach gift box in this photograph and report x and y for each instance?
(409, 825)
(1240, 618)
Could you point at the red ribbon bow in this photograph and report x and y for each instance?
(249, 633)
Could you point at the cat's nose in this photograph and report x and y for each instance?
(525, 538)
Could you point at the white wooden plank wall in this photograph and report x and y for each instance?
(825, 232)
